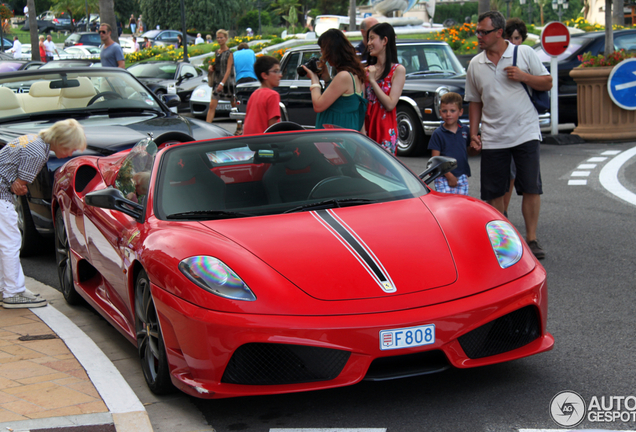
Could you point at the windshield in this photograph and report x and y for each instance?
(154, 70)
(278, 173)
(425, 59)
(53, 90)
(151, 34)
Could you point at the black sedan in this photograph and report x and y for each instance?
(115, 109)
(431, 70)
(164, 37)
(168, 76)
(594, 43)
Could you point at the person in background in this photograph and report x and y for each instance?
(135, 44)
(263, 106)
(50, 48)
(223, 77)
(20, 162)
(26, 11)
(112, 54)
(208, 39)
(244, 59)
(147, 43)
(17, 48)
(179, 41)
(515, 32)
(42, 49)
(361, 48)
(199, 39)
(132, 23)
(140, 25)
(386, 81)
(342, 103)
(509, 121)
(451, 139)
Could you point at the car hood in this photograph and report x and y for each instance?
(109, 135)
(358, 252)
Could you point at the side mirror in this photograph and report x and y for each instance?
(188, 75)
(112, 199)
(437, 166)
(172, 100)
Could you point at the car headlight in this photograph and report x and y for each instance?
(199, 92)
(505, 242)
(215, 276)
(441, 91)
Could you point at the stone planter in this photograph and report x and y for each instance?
(599, 118)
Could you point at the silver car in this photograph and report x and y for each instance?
(200, 102)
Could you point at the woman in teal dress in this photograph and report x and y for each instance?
(342, 103)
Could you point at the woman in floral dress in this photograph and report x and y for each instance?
(386, 80)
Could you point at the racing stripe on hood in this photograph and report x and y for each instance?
(356, 246)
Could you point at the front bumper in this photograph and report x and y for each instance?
(201, 343)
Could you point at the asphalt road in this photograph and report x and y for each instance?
(588, 235)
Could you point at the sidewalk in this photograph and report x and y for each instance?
(54, 377)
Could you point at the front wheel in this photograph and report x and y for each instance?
(152, 352)
(410, 134)
(63, 261)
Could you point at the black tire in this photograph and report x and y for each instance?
(31, 239)
(411, 139)
(63, 261)
(152, 352)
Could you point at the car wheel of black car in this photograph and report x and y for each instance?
(63, 261)
(152, 351)
(31, 240)
(410, 133)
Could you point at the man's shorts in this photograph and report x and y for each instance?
(495, 170)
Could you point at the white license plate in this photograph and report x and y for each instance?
(224, 107)
(407, 337)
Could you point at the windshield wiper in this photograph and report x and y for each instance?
(208, 214)
(432, 72)
(332, 203)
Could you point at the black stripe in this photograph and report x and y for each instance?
(346, 236)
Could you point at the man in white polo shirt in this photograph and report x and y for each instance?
(50, 48)
(509, 121)
(17, 48)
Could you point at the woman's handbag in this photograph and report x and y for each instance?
(540, 99)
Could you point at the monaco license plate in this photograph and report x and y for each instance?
(224, 107)
(407, 337)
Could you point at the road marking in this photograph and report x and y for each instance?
(577, 182)
(609, 176)
(581, 173)
(586, 166)
(597, 159)
(611, 152)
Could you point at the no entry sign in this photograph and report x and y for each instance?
(555, 38)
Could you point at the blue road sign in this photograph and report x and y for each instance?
(367, 14)
(621, 84)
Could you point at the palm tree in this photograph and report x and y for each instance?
(107, 15)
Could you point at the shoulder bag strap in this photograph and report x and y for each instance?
(514, 63)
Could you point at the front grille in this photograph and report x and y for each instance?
(407, 365)
(275, 364)
(504, 334)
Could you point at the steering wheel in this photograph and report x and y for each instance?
(431, 67)
(105, 95)
(323, 182)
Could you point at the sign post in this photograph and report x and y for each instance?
(621, 84)
(555, 39)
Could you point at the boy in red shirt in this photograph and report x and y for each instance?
(263, 106)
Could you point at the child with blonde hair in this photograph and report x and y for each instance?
(20, 161)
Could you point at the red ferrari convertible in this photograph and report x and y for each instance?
(292, 261)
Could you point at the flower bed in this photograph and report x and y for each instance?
(461, 38)
(588, 60)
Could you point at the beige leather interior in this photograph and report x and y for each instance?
(9, 104)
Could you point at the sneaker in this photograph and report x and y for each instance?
(536, 249)
(26, 290)
(23, 300)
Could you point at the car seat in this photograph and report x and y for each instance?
(293, 180)
(190, 185)
(9, 104)
(77, 97)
